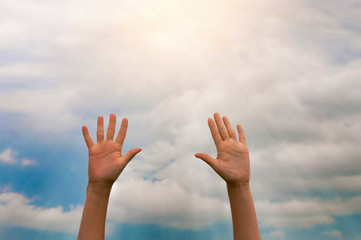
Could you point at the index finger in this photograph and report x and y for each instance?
(242, 137)
(87, 138)
(214, 131)
(122, 132)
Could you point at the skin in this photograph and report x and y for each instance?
(233, 166)
(106, 163)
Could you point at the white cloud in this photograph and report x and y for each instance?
(273, 235)
(9, 156)
(277, 234)
(164, 203)
(27, 162)
(334, 233)
(288, 71)
(16, 210)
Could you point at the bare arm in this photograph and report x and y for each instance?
(232, 164)
(106, 162)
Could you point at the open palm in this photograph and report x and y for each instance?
(232, 162)
(106, 161)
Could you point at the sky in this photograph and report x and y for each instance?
(288, 71)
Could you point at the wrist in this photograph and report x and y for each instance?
(242, 186)
(239, 191)
(99, 188)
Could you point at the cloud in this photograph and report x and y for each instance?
(306, 213)
(9, 156)
(274, 235)
(164, 203)
(27, 162)
(334, 233)
(287, 71)
(167, 204)
(306, 167)
(16, 210)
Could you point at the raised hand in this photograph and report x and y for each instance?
(106, 161)
(232, 162)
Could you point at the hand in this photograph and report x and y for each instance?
(232, 162)
(105, 157)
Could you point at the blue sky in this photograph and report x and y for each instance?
(288, 71)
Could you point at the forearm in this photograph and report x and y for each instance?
(245, 226)
(92, 225)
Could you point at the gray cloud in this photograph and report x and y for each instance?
(306, 213)
(287, 71)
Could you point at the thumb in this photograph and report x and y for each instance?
(131, 154)
(206, 158)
